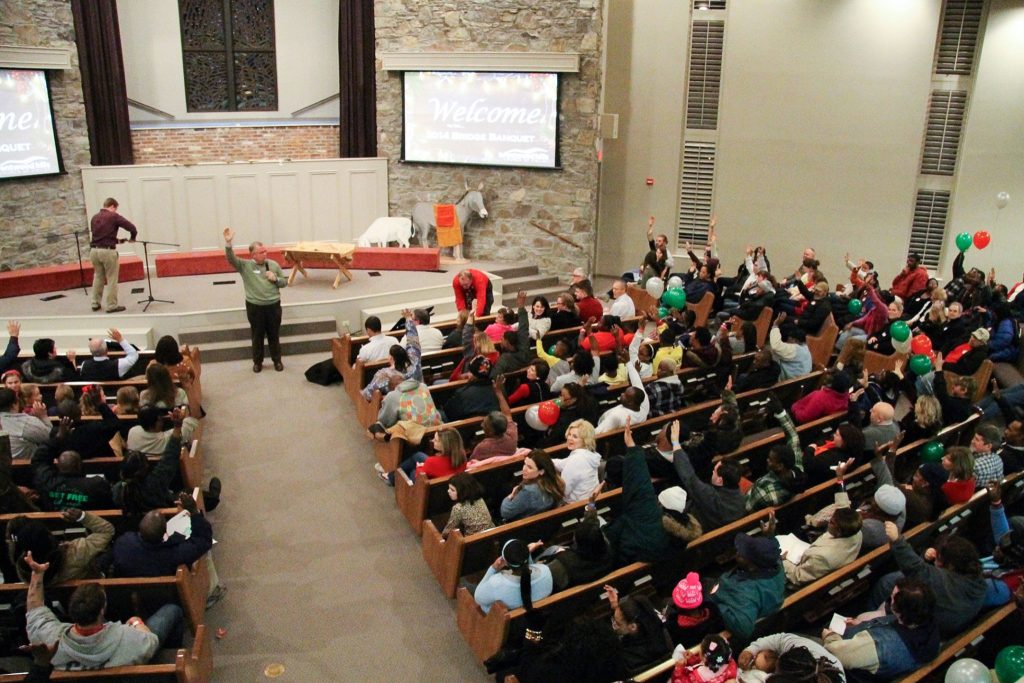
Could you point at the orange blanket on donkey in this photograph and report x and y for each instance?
(449, 232)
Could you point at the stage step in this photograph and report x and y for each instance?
(515, 271)
(204, 336)
(291, 345)
(232, 342)
(549, 292)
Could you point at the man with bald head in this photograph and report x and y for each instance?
(147, 553)
(621, 303)
(101, 367)
(882, 429)
(62, 484)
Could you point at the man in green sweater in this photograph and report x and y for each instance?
(262, 279)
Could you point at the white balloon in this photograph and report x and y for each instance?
(533, 419)
(968, 671)
(675, 282)
(655, 287)
(1002, 199)
(901, 346)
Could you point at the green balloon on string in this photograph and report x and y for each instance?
(662, 311)
(932, 451)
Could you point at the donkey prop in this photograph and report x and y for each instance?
(469, 206)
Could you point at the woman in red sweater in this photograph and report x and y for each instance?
(959, 464)
(449, 458)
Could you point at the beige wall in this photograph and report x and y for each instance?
(307, 59)
(820, 130)
(994, 149)
(645, 84)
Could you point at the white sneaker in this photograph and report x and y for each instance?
(379, 468)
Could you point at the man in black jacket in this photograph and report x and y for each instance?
(62, 484)
(45, 367)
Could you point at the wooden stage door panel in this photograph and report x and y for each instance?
(365, 200)
(204, 221)
(284, 207)
(323, 195)
(244, 209)
(158, 214)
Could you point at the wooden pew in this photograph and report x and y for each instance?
(713, 548)
(191, 665)
(188, 587)
(702, 308)
(459, 556)
(981, 379)
(821, 344)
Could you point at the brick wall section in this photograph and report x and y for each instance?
(242, 143)
(35, 211)
(564, 201)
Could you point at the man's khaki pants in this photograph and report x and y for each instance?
(104, 264)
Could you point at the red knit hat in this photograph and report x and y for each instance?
(688, 593)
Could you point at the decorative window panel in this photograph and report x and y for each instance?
(695, 192)
(229, 55)
(958, 37)
(928, 233)
(707, 39)
(708, 4)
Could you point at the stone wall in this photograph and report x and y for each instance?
(563, 201)
(34, 210)
(242, 143)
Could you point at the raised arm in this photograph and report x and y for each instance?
(412, 345)
(229, 252)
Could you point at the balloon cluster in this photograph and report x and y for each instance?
(981, 239)
(673, 297)
(543, 415)
(1009, 668)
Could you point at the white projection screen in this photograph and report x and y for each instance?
(481, 118)
(28, 143)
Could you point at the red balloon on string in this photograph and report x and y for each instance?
(921, 344)
(982, 239)
(548, 413)
(931, 357)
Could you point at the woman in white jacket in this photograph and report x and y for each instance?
(579, 469)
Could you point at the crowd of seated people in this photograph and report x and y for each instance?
(612, 366)
(57, 424)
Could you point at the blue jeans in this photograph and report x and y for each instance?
(1014, 398)
(852, 333)
(168, 623)
(409, 466)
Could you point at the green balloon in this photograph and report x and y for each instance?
(551, 350)
(674, 298)
(855, 306)
(900, 331)
(932, 451)
(662, 311)
(964, 241)
(1010, 664)
(920, 364)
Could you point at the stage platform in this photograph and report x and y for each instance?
(215, 304)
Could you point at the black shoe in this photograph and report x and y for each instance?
(257, 367)
(95, 307)
(278, 365)
(211, 497)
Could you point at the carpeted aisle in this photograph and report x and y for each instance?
(324, 575)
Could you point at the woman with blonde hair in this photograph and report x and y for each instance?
(579, 469)
(541, 488)
(924, 421)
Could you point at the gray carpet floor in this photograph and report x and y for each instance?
(324, 575)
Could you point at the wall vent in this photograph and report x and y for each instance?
(696, 192)
(958, 37)
(931, 209)
(704, 84)
(946, 114)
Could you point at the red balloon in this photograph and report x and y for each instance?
(921, 344)
(931, 357)
(982, 239)
(548, 413)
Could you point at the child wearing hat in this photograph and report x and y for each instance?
(710, 662)
(687, 618)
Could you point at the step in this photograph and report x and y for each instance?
(204, 336)
(514, 271)
(290, 346)
(528, 282)
(548, 292)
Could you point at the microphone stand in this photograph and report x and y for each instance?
(149, 282)
(81, 266)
